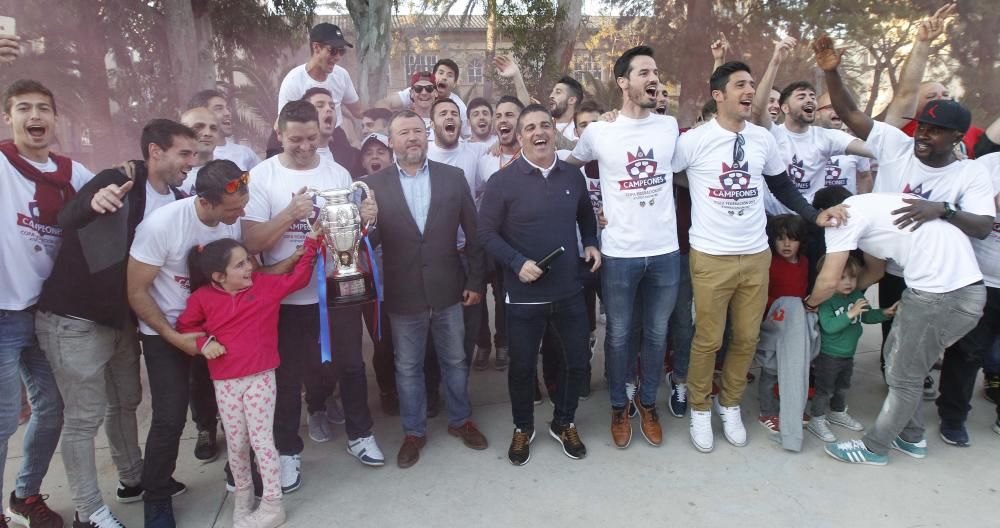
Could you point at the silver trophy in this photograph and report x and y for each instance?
(341, 224)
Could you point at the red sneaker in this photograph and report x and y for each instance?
(771, 423)
(33, 512)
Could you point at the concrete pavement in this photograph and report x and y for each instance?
(758, 485)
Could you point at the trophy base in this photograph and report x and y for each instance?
(345, 291)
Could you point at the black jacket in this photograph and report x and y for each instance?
(425, 271)
(524, 215)
(72, 290)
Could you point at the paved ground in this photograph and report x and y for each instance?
(758, 485)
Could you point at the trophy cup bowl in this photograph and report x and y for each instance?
(341, 224)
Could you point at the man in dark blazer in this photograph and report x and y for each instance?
(427, 280)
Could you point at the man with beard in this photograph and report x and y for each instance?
(807, 149)
(508, 149)
(35, 185)
(207, 136)
(426, 286)
(481, 121)
(84, 324)
(332, 148)
(526, 215)
(960, 192)
(278, 217)
(641, 265)
(852, 172)
(726, 162)
(444, 78)
(566, 95)
(243, 156)
(911, 95)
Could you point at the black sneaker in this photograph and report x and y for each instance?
(930, 393)
(678, 397)
(206, 449)
(128, 494)
(159, 514)
(177, 488)
(32, 511)
(569, 439)
(258, 483)
(520, 447)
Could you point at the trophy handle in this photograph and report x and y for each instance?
(362, 185)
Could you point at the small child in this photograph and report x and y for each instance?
(789, 276)
(237, 309)
(840, 320)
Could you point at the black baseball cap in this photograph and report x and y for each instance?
(945, 113)
(326, 33)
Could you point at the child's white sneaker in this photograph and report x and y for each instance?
(844, 420)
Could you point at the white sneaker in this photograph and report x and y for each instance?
(844, 420)
(821, 428)
(103, 518)
(732, 424)
(291, 472)
(701, 431)
(319, 427)
(366, 450)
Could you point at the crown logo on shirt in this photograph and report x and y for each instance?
(641, 164)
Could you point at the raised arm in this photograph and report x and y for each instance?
(904, 101)
(719, 49)
(828, 59)
(758, 112)
(508, 68)
(392, 102)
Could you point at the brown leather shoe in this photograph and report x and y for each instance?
(621, 428)
(650, 423)
(470, 436)
(409, 452)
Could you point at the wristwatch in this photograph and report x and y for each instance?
(949, 212)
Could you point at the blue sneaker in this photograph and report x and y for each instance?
(678, 397)
(855, 452)
(914, 449)
(159, 514)
(954, 434)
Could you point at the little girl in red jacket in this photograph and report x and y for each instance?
(237, 310)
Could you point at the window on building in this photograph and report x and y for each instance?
(475, 71)
(415, 63)
(583, 64)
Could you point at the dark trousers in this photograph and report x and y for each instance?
(204, 410)
(832, 379)
(551, 355)
(495, 280)
(526, 324)
(169, 377)
(890, 291)
(384, 358)
(963, 360)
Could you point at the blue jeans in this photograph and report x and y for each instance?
(682, 324)
(409, 339)
(622, 279)
(21, 359)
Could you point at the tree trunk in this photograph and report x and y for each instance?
(692, 65)
(873, 93)
(491, 48)
(373, 22)
(106, 149)
(182, 47)
(570, 13)
(205, 72)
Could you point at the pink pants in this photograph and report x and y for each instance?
(246, 406)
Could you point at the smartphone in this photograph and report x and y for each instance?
(7, 26)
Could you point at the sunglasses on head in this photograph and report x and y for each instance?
(234, 185)
(417, 88)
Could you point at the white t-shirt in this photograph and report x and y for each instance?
(325, 154)
(633, 156)
(243, 156)
(165, 239)
(404, 96)
(29, 247)
(843, 171)
(808, 154)
(568, 130)
(295, 84)
(155, 200)
(988, 250)
(464, 156)
(187, 186)
(563, 154)
(936, 258)
(272, 186)
(962, 183)
(727, 194)
(490, 165)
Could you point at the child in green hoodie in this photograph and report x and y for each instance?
(840, 321)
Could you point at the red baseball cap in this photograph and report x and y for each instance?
(422, 76)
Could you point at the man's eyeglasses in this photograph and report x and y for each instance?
(428, 88)
(234, 185)
(738, 148)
